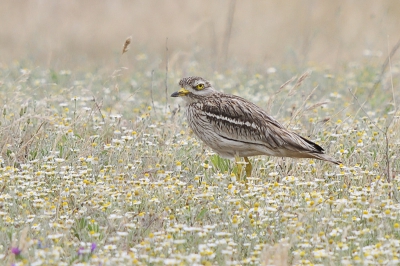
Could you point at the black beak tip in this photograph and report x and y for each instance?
(175, 94)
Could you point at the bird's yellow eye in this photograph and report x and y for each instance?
(200, 86)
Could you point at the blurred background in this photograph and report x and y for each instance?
(78, 34)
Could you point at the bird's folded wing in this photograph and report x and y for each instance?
(237, 119)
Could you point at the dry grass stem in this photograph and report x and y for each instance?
(277, 254)
(126, 44)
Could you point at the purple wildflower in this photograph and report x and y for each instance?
(80, 250)
(93, 247)
(16, 251)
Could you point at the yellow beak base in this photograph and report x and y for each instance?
(180, 93)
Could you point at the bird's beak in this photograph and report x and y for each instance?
(180, 93)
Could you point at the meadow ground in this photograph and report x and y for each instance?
(101, 168)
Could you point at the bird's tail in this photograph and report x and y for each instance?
(325, 157)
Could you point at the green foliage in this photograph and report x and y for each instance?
(220, 164)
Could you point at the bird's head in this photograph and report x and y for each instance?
(192, 88)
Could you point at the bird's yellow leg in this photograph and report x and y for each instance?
(249, 167)
(239, 167)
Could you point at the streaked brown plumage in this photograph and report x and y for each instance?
(233, 126)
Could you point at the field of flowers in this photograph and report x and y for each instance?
(101, 168)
